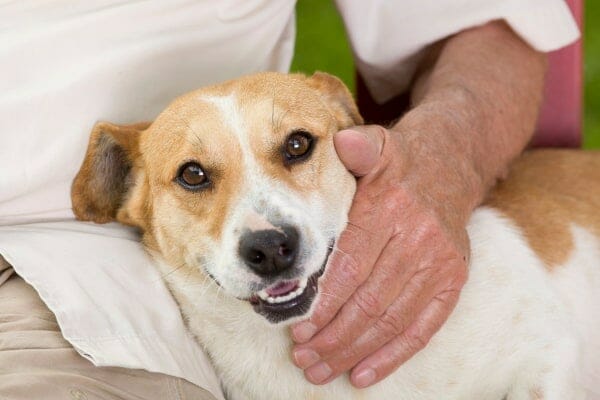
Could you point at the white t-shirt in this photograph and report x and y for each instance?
(66, 64)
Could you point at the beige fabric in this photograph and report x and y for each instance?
(37, 363)
(108, 298)
(6, 270)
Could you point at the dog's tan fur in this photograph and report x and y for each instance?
(544, 198)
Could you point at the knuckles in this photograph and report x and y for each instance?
(416, 339)
(390, 324)
(369, 304)
(351, 273)
(429, 231)
(394, 201)
(337, 339)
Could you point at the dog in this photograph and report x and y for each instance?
(240, 196)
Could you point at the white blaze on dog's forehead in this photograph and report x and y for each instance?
(231, 117)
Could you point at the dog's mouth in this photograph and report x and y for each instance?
(288, 298)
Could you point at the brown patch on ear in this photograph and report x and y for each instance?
(136, 209)
(338, 97)
(106, 176)
(546, 192)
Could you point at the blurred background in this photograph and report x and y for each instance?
(321, 45)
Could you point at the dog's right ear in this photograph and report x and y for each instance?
(106, 175)
(338, 97)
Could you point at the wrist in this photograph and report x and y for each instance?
(443, 163)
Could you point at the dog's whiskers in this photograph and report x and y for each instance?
(182, 265)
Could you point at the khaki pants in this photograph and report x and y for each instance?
(36, 363)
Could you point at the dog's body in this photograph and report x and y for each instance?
(227, 171)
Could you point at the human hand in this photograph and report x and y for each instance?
(397, 270)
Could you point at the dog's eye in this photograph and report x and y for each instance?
(191, 176)
(298, 146)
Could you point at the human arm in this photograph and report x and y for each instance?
(398, 268)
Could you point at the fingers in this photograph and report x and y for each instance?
(365, 323)
(347, 268)
(415, 297)
(369, 336)
(360, 148)
(404, 255)
(389, 357)
(355, 255)
(365, 306)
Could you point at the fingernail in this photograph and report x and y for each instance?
(364, 378)
(305, 358)
(318, 373)
(302, 332)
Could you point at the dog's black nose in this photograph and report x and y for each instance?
(270, 252)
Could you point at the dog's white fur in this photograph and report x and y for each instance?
(516, 331)
(519, 331)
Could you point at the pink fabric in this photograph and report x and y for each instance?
(560, 123)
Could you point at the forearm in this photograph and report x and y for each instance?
(475, 105)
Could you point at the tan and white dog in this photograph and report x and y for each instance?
(240, 196)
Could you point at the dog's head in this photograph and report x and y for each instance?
(239, 183)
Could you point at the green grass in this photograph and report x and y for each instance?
(591, 119)
(322, 45)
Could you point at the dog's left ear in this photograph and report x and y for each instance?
(107, 176)
(339, 98)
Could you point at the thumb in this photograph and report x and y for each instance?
(360, 147)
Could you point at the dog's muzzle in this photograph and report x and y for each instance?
(288, 298)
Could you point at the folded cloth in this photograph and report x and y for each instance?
(6, 270)
(119, 312)
(37, 363)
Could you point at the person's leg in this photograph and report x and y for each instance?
(37, 363)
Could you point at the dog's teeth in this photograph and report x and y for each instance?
(263, 295)
(282, 299)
